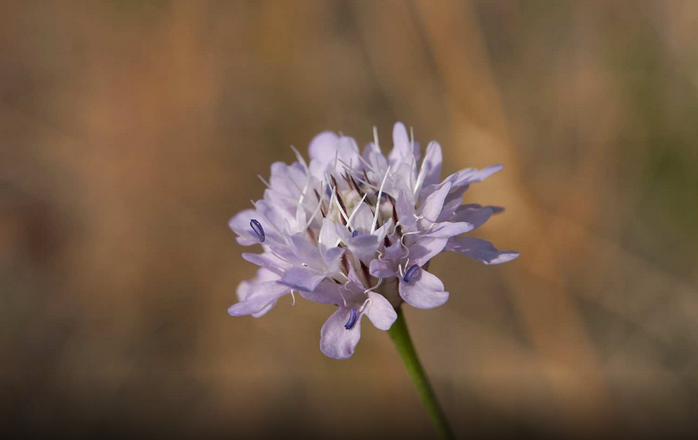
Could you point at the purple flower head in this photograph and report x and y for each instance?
(356, 230)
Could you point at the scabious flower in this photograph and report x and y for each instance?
(357, 230)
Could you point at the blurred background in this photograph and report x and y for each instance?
(132, 130)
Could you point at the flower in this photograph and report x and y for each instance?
(357, 230)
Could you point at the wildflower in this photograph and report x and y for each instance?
(357, 230)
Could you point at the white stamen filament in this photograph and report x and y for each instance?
(275, 192)
(336, 156)
(412, 168)
(402, 243)
(375, 139)
(378, 202)
(380, 280)
(300, 158)
(264, 181)
(356, 209)
(365, 305)
(307, 173)
(335, 197)
(329, 205)
(305, 189)
(312, 217)
(370, 167)
(422, 175)
(365, 183)
(342, 296)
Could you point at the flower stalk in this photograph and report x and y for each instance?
(401, 338)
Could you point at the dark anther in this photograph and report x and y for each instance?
(258, 229)
(412, 271)
(352, 320)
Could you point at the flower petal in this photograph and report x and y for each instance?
(258, 297)
(300, 278)
(335, 340)
(471, 175)
(401, 144)
(333, 257)
(405, 212)
(363, 246)
(325, 293)
(480, 250)
(240, 224)
(323, 147)
(306, 252)
(328, 233)
(268, 261)
(380, 311)
(363, 218)
(449, 229)
(245, 287)
(449, 209)
(477, 216)
(433, 160)
(425, 249)
(495, 209)
(424, 291)
(435, 202)
(381, 269)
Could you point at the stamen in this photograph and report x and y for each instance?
(352, 320)
(412, 271)
(375, 138)
(356, 209)
(304, 190)
(344, 286)
(343, 214)
(300, 157)
(402, 243)
(366, 183)
(336, 156)
(378, 202)
(413, 168)
(368, 165)
(380, 281)
(312, 217)
(366, 303)
(264, 181)
(355, 233)
(258, 229)
(420, 177)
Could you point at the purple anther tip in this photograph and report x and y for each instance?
(352, 320)
(258, 229)
(355, 233)
(412, 271)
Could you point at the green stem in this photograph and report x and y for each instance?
(401, 338)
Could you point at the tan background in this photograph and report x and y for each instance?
(130, 131)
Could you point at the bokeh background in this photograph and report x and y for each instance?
(132, 130)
